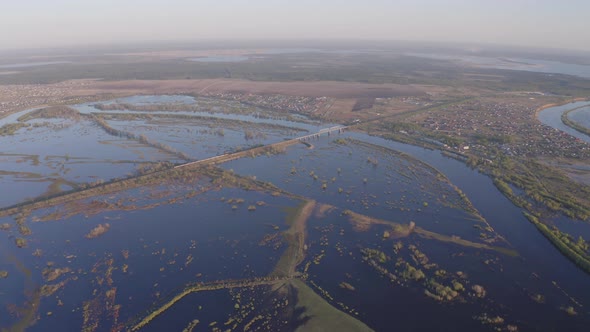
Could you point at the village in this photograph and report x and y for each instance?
(296, 104)
(510, 126)
(17, 97)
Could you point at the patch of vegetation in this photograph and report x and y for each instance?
(538, 298)
(458, 286)
(440, 291)
(62, 112)
(542, 184)
(479, 291)
(98, 231)
(345, 285)
(411, 273)
(570, 310)
(20, 242)
(577, 251)
(24, 230)
(10, 129)
(340, 141)
(51, 274)
(374, 254)
(488, 320)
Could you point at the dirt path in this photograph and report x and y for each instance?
(299, 230)
(295, 238)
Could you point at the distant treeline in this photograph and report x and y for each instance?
(62, 112)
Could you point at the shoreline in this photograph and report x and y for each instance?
(546, 106)
(573, 124)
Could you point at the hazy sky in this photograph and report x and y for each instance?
(546, 23)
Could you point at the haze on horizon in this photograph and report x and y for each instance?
(536, 23)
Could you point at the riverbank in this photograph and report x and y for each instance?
(572, 124)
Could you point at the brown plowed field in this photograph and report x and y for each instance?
(207, 86)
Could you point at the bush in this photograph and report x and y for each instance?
(20, 242)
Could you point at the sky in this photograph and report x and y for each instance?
(540, 23)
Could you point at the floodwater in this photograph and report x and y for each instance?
(35, 158)
(43, 160)
(161, 238)
(167, 247)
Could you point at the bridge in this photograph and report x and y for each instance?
(328, 131)
(262, 149)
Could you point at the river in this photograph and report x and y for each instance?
(552, 117)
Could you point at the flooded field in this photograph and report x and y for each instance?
(51, 156)
(340, 232)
